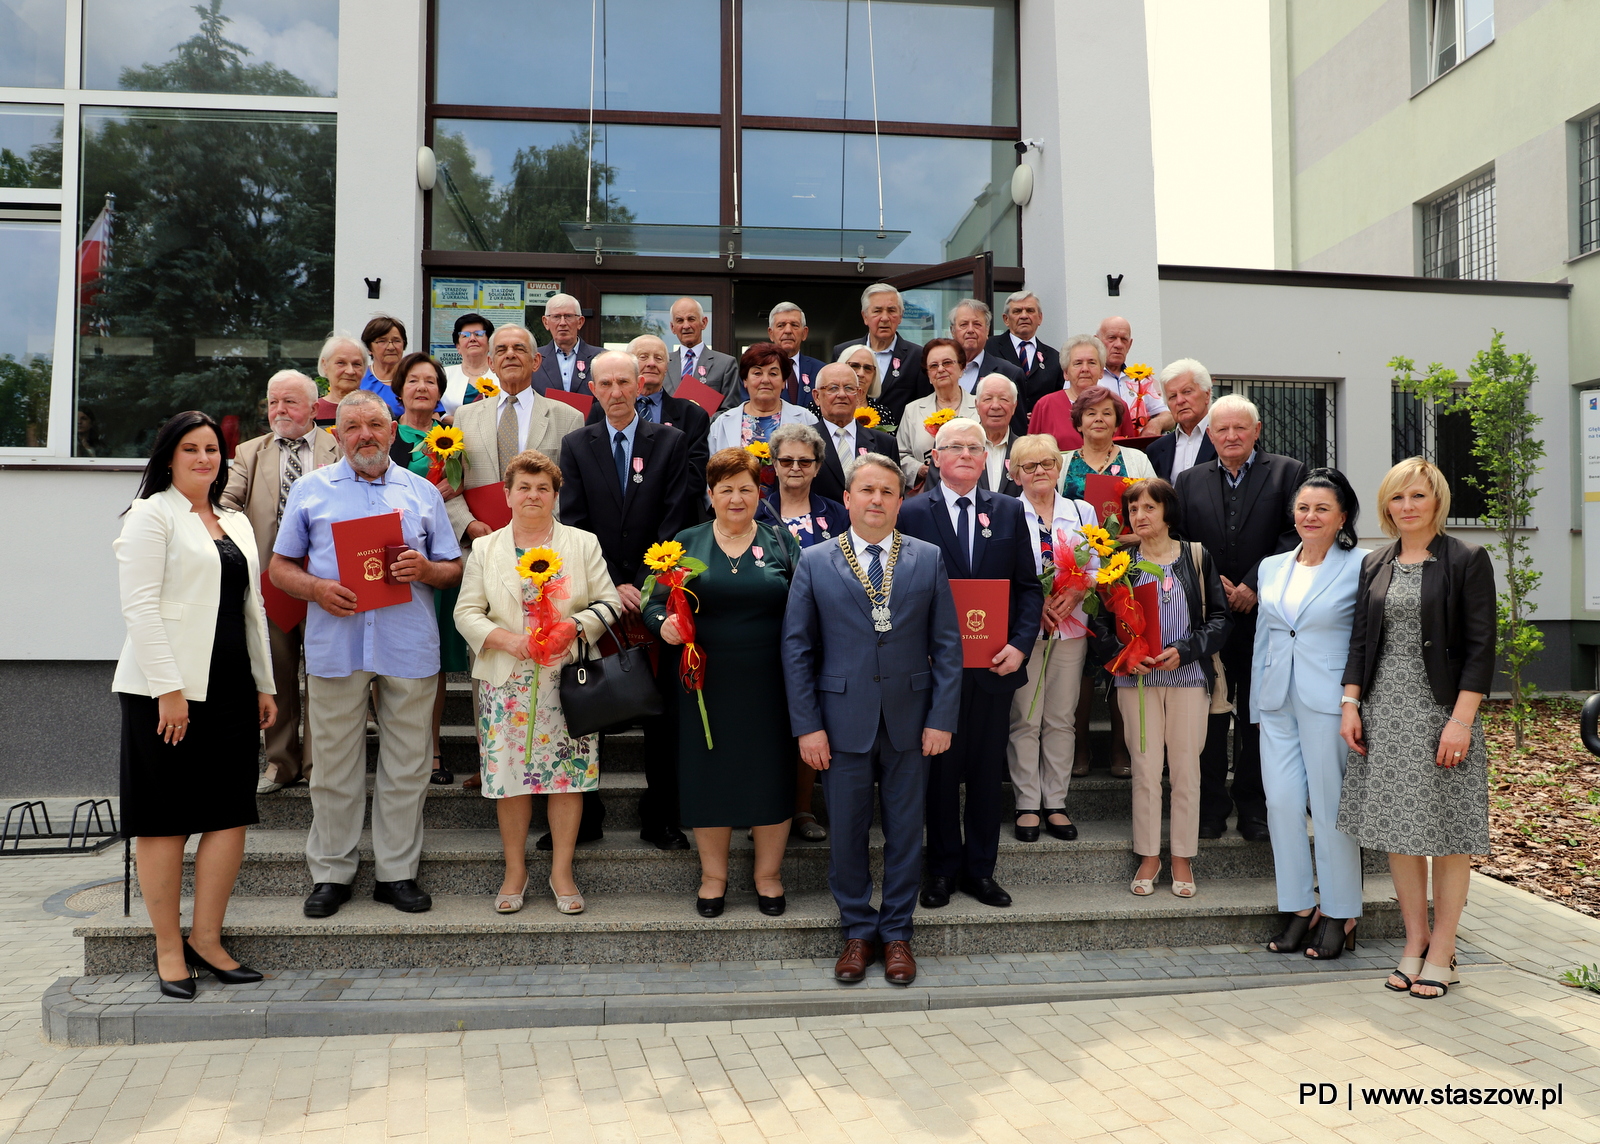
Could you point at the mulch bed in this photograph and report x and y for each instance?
(1544, 806)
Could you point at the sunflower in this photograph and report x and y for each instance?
(936, 419)
(761, 451)
(445, 441)
(1099, 539)
(486, 387)
(1127, 481)
(1137, 372)
(663, 556)
(1114, 569)
(539, 565)
(867, 417)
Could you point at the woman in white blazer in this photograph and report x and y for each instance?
(519, 762)
(195, 684)
(1305, 611)
(765, 374)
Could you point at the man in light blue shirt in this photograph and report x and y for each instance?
(393, 651)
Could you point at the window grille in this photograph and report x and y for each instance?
(1458, 231)
(1421, 430)
(1589, 184)
(1297, 418)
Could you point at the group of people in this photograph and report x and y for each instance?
(823, 641)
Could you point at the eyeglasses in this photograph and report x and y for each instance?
(863, 366)
(565, 317)
(1032, 467)
(970, 450)
(834, 390)
(472, 334)
(390, 342)
(796, 462)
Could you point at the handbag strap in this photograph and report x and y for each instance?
(583, 651)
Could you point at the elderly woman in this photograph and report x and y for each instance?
(862, 361)
(944, 359)
(1043, 735)
(764, 371)
(471, 336)
(385, 339)
(343, 361)
(1083, 361)
(740, 771)
(1096, 415)
(1177, 683)
(527, 753)
(1421, 660)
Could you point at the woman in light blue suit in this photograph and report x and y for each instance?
(1306, 608)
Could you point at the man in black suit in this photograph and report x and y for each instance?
(1187, 386)
(655, 405)
(983, 536)
(970, 323)
(900, 371)
(627, 481)
(1020, 346)
(835, 394)
(565, 361)
(1240, 507)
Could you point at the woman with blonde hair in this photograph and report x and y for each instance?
(1421, 660)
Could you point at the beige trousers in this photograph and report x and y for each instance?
(1041, 748)
(288, 752)
(338, 719)
(1175, 723)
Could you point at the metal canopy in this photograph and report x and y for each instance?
(730, 241)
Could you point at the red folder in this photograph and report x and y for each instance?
(582, 402)
(1148, 597)
(282, 609)
(983, 613)
(359, 546)
(488, 504)
(1104, 494)
(701, 394)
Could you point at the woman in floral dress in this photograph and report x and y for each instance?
(501, 582)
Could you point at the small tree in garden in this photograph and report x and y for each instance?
(1508, 455)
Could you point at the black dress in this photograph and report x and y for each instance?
(208, 780)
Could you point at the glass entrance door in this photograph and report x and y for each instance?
(624, 317)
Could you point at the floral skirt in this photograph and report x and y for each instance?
(552, 762)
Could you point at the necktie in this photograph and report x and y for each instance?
(1027, 356)
(964, 530)
(875, 567)
(688, 361)
(642, 404)
(621, 455)
(292, 471)
(842, 444)
(507, 440)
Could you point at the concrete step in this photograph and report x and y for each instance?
(272, 933)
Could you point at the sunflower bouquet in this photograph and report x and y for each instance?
(445, 446)
(549, 636)
(1140, 375)
(672, 568)
(484, 387)
(937, 418)
(1069, 570)
(1115, 596)
(867, 417)
(762, 452)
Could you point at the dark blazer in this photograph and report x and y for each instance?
(831, 514)
(796, 392)
(993, 364)
(1458, 618)
(1164, 450)
(548, 375)
(905, 382)
(680, 413)
(1046, 375)
(1007, 554)
(717, 370)
(654, 508)
(1008, 487)
(829, 481)
(1265, 524)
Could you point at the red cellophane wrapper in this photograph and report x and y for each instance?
(549, 636)
(692, 663)
(1130, 627)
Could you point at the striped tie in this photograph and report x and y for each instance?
(292, 471)
(875, 568)
(506, 438)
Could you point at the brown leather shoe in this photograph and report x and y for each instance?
(899, 967)
(852, 964)
(1122, 769)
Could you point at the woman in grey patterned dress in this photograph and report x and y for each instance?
(1421, 660)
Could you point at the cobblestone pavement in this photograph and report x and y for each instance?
(1196, 1066)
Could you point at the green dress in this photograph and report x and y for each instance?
(452, 648)
(747, 779)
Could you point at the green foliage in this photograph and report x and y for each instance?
(1583, 977)
(24, 401)
(1508, 454)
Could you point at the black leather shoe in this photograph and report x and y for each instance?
(239, 975)
(1254, 830)
(772, 907)
(665, 838)
(710, 907)
(404, 895)
(1066, 831)
(937, 892)
(181, 990)
(987, 891)
(326, 898)
(1026, 833)
(1213, 829)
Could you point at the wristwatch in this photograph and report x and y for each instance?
(1350, 699)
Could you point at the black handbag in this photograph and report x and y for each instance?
(601, 692)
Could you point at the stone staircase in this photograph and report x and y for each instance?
(1068, 895)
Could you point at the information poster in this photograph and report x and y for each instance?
(1589, 420)
(500, 300)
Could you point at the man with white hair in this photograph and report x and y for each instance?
(692, 357)
(565, 364)
(786, 329)
(655, 404)
(264, 469)
(900, 370)
(982, 536)
(1020, 346)
(1187, 385)
(996, 401)
(1116, 334)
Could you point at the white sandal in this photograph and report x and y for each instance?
(568, 903)
(1143, 887)
(510, 903)
(1182, 889)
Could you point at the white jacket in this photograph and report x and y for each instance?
(169, 575)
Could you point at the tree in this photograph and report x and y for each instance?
(1508, 454)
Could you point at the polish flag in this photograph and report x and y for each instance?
(94, 253)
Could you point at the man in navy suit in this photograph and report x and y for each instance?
(1020, 346)
(872, 667)
(900, 369)
(787, 329)
(970, 323)
(1187, 385)
(564, 362)
(845, 439)
(983, 536)
(656, 405)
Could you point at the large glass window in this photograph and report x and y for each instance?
(953, 195)
(648, 55)
(205, 262)
(507, 185)
(30, 145)
(33, 43)
(937, 61)
(245, 47)
(31, 255)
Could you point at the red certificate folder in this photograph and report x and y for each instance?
(582, 402)
(1104, 494)
(282, 609)
(983, 613)
(701, 394)
(1148, 597)
(488, 504)
(359, 546)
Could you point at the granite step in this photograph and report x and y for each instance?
(272, 933)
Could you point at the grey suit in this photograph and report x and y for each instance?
(874, 708)
(717, 370)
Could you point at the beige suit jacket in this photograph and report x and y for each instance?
(548, 422)
(254, 478)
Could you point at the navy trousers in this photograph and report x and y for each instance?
(976, 759)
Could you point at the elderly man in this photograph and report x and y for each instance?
(655, 404)
(471, 337)
(264, 469)
(1020, 346)
(693, 358)
(837, 394)
(900, 374)
(1240, 507)
(393, 651)
(996, 401)
(498, 428)
(970, 326)
(982, 536)
(786, 329)
(565, 365)
(1117, 336)
(1187, 385)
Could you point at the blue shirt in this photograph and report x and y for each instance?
(565, 362)
(628, 431)
(1244, 470)
(401, 640)
(383, 389)
(653, 401)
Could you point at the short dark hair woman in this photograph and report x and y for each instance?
(195, 684)
(765, 374)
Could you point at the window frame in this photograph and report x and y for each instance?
(1585, 133)
(1458, 29)
(1428, 210)
(1426, 427)
(1248, 385)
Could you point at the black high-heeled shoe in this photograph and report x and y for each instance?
(1066, 831)
(710, 907)
(1026, 833)
(1296, 933)
(180, 990)
(240, 975)
(1332, 939)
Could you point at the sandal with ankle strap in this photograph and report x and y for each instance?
(1332, 939)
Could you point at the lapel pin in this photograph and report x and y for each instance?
(983, 519)
(638, 468)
